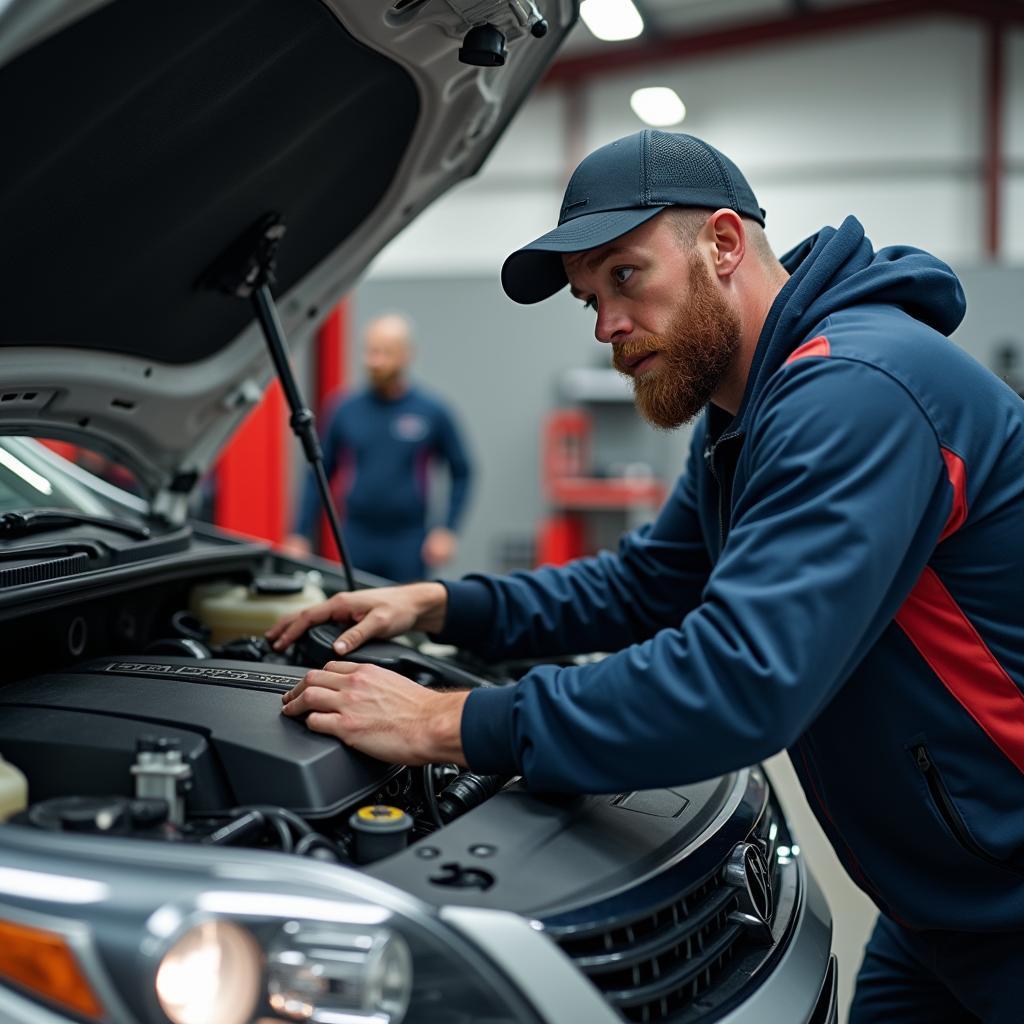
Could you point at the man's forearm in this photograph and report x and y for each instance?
(443, 729)
(431, 602)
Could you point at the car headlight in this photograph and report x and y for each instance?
(256, 957)
(319, 973)
(196, 936)
(211, 975)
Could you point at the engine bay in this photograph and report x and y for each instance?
(157, 715)
(137, 712)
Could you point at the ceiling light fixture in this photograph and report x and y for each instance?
(612, 20)
(658, 106)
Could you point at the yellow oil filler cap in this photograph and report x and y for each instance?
(379, 831)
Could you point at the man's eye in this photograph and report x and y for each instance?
(590, 303)
(622, 274)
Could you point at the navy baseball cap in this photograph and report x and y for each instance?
(616, 189)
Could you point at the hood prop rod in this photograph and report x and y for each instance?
(246, 271)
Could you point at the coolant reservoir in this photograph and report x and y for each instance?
(231, 610)
(13, 790)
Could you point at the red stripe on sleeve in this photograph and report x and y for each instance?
(945, 638)
(958, 481)
(818, 346)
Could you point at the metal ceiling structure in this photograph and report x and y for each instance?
(679, 29)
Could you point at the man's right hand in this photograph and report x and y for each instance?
(296, 546)
(378, 613)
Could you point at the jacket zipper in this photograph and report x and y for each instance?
(709, 455)
(948, 811)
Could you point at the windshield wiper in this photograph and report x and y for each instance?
(13, 524)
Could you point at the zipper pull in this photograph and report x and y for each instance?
(921, 756)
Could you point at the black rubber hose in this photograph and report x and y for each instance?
(466, 792)
(237, 829)
(316, 841)
(431, 795)
(301, 826)
(280, 818)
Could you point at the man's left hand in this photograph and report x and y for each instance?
(380, 713)
(439, 547)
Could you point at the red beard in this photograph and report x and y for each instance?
(695, 354)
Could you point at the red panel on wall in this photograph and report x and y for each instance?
(250, 496)
(330, 373)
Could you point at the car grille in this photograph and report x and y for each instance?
(657, 965)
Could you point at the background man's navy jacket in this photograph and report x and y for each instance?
(839, 571)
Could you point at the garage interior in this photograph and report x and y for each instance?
(906, 113)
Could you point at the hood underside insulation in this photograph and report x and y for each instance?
(140, 142)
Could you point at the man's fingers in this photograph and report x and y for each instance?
(320, 721)
(330, 676)
(285, 632)
(374, 623)
(313, 698)
(342, 668)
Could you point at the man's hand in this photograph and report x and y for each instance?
(295, 546)
(380, 713)
(439, 547)
(380, 612)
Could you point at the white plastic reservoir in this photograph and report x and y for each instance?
(232, 610)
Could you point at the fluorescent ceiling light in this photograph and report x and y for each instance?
(612, 20)
(658, 106)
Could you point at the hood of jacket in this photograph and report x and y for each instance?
(831, 271)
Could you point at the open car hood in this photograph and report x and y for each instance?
(141, 140)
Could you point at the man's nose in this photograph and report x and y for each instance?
(612, 323)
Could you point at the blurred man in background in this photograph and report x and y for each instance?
(384, 440)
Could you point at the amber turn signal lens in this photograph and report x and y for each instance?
(44, 964)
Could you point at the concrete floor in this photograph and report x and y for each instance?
(853, 914)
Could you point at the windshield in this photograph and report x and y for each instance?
(32, 476)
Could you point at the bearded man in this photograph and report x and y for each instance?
(838, 572)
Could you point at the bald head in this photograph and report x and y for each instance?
(387, 352)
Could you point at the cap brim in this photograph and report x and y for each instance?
(535, 272)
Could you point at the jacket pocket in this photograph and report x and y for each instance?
(949, 812)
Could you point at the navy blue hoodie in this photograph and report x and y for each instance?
(839, 572)
(390, 443)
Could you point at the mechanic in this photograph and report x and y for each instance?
(384, 439)
(838, 572)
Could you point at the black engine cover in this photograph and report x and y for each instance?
(75, 731)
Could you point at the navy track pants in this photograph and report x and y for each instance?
(940, 977)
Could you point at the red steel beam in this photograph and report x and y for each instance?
(810, 23)
(249, 496)
(331, 358)
(331, 373)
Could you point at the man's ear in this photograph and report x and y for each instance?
(729, 241)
